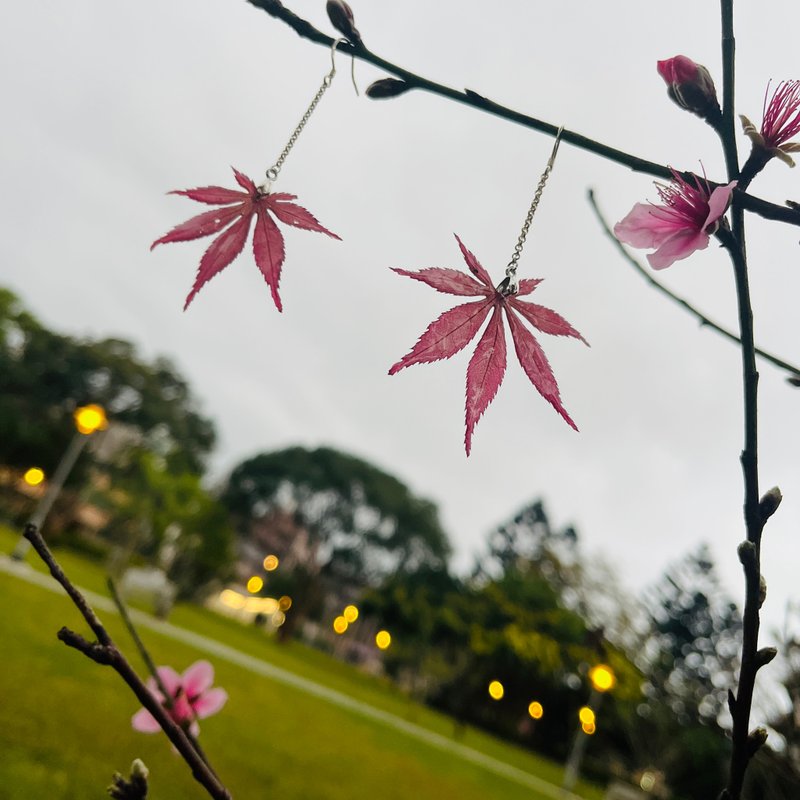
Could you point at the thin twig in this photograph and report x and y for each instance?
(306, 30)
(685, 304)
(169, 700)
(105, 652)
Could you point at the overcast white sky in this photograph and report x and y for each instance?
(106, 106)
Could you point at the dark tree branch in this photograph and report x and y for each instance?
(105, 652)
(794, 372)
(306, 30)
(151, 667)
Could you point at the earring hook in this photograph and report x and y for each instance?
(334, 48)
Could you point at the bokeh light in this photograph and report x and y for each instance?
(271, 563)
(588, 728)
(285, 603)
(586, 716)
(536, 710)
(496, 690)
(383, 639)
(350, 613)
(340, 625)
(255, 584)
(602, 678)
(89, 419)
(34, 476)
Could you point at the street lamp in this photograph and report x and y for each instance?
(88, 420)
(603, 680)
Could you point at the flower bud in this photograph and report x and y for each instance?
(387, 87)
(690, 86)
(341, 16)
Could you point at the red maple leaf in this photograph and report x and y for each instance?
(235, 217)
(456, 328)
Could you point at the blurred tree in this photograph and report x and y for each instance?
(689, 653)
(363, 524)
(44, 376)
(169, 519)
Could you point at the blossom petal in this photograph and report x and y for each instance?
(718, 203)
(269, 251)
(447, 281)
(197, 678)
(527, 285)
(680, 245)
(222, 251)
(245, 182)
(485, 373)
(447, 335)
(474, 265)
(202, 225)
(297, 216)
(545, 319)
(170, 679)
(647, 225)
(213, 195)
(536, 366)
(144, 722)
(210, 702)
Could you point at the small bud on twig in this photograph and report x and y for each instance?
(747, 554)
(341, 17)
(762, 590)
(387, 87)
(756, 738)
(769, 503)
(765, 655)
(731, 702)
(134, 788)
(691, 86)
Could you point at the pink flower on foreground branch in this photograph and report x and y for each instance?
(689, 216)
(238, 211)
(191, 694)
(456, 328)
(781, 123)
(691, 86)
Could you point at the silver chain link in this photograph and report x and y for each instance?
(272, 172)
(511, 270)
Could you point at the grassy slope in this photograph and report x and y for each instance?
(64, 722)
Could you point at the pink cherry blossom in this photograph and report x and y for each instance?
(191, 694)
(781, 122)
(691, 86)
(679, 227)
(456, 328)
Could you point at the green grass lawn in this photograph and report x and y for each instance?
(65, 721)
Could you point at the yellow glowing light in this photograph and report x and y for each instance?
(340, 625)
(271, 563)
(34, 476)
(648, 781)
(383, 639)
(350, 613)
(536, 710)
(89, 419)
(278, 618)
(496, 690)
(588, 728)
(285, 603)
(231, 599)
(586, 716)
(255, 584)
(602, 678)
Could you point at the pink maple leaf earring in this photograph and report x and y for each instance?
(456, 328)
(237, 209)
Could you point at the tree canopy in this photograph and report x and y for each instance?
(45, 375)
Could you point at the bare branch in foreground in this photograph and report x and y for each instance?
(104, 651)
